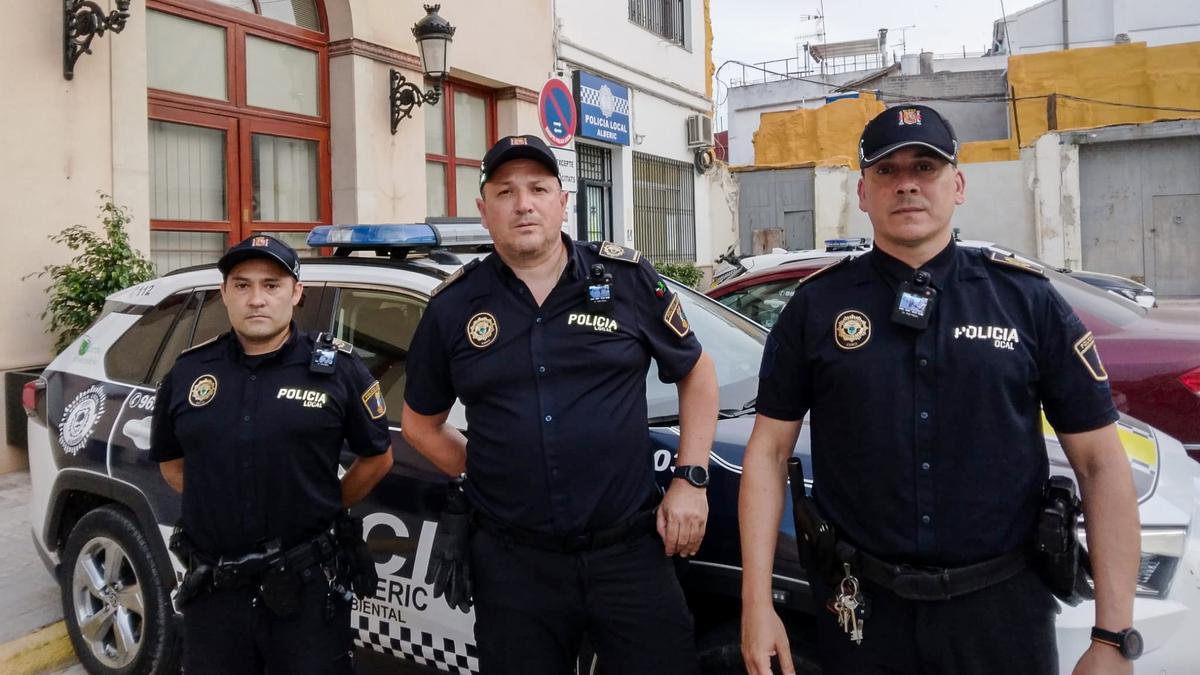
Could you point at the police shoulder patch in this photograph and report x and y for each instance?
(373, 401)
(617, 252)
(455, 276)
(823, 270)
(675, 319)
(1011, 261)
(1085, 349)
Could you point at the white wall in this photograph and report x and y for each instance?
(601, 35)
(63, 142)
(1093, 23)
(667, 84)
(999, 206)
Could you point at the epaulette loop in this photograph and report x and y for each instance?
(1011, 261)
(455, 276)
(617, 252)
(823, 270)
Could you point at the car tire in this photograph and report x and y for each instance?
(115, 600)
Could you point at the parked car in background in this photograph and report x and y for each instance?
(1152, 355)
(1126, 288)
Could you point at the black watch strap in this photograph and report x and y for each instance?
(694, 474)
(1128, 642)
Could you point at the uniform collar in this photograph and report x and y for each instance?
(287, 352)
(574, 270)
(939, 267)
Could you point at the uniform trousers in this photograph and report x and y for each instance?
(533, 608)
(231, 632)
(1000, 630)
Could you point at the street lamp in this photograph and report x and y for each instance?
(434, 35)
(84, 20)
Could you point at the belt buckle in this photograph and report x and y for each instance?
(577, 542)
(921, 583)
(224, 574)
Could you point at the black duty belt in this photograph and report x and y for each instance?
(933, 583)
(637, 525)
(302, 559)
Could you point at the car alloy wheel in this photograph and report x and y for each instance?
(108, 602)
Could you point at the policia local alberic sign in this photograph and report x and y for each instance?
(604, 109)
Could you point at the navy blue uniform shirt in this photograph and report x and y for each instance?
(927, 445)
(555, 395)
(260, 437)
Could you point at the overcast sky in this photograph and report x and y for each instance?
(765, 30)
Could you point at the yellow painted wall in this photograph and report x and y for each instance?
(1131, 74)
(826, 136)
(710, 68)
(1167, 76)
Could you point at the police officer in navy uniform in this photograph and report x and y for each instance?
(547, 343)
(249, 428)
(924, 367)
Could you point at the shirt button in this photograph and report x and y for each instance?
(924, 415)
(554, 472)
(924, 466)
(923, 362)
(541, 369)
(246, 418)
(538, 319)
(926, 519)
(549, 418)
(253, 378)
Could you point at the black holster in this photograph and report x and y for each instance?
(360, 566)
(198, 569)
(1062, 561)
(816, 540)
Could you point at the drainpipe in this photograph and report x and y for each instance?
(1066, 35)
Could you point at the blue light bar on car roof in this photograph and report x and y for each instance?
(409, 235)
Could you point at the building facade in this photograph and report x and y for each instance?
(214, 119)
(640, 70)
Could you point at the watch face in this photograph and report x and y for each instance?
(1132, 645)
(698, 476)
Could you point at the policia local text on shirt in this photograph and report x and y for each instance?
(249, 427)
(924, 367)
(547, 343)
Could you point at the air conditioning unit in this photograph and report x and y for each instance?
(699, 131)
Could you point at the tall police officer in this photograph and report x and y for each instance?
(547, 343)
(923, 366)
(258, 417)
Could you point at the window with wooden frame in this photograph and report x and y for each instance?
(458, 132)
(239, 124)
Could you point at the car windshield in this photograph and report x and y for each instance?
(735, 345)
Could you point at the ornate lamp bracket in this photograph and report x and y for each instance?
(405, 96)
(83, 21)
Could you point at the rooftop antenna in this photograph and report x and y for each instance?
(903, 41)
(819, 33)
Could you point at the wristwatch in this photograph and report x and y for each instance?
(1128, 642)
(694, 474)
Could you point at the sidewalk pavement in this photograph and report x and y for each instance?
(30, 596)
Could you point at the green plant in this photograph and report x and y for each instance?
(684, 272)
(105, 264)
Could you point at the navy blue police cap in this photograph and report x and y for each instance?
(260, 246)
(903, 126)
(517, 147)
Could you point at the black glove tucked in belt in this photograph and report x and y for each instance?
(449, 563)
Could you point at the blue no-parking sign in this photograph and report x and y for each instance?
(556, 106)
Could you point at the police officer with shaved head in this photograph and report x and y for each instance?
(934, 536)
(547, 342)
(250, 427)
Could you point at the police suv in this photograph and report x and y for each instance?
(101, 512)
